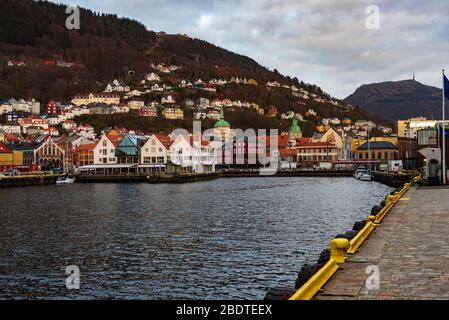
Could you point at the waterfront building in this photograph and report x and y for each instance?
(408, 152)
(6, 158)
(333, 137)
(128, 150)
(317, 154)
(23, 155)
(191, 155)
(48, 155)
(84, 155)
(154, 154)
(378, 150)
(104, 151)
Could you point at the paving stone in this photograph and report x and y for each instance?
(411, 249)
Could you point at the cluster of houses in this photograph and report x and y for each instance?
(30, 144)
(47, 63)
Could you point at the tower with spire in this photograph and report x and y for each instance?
(222, 128)
(295, 131)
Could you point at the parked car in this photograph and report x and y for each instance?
(10, 173)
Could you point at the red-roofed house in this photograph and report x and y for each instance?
(154, 154)
(104, 151)
(69, 124)
(193, 156)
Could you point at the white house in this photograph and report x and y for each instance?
(152, 77)
(168, 100)
(69, 124)
(154, 154)
(157, 88)
(104, 151)
(192, 155)
(136, 104)
(11, 128)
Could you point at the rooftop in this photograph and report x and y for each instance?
(378, 145)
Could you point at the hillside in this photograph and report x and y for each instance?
(32, 34)
(398, 100)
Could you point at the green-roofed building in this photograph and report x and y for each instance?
(295, 131)
(222, 127)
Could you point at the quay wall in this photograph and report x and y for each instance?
(28, 180)
(392, 180)
(165, 178)
(315, 173)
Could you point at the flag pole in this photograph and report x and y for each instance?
(444, 134)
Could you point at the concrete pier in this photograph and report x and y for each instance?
(410, 248)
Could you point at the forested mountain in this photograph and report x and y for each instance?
(106, 47)
(399, 99)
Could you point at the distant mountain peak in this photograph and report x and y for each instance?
(396, 100)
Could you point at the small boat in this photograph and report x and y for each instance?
(366, 176)
(359, 172)
(65, 180)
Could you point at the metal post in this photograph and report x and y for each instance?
(444, 135)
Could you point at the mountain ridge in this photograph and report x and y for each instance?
(398, 99)
(108, 47)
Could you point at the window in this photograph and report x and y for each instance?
(105, 143)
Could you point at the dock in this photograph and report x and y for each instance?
(29, 180)
(409, 248)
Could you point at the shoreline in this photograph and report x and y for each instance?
(391, 180)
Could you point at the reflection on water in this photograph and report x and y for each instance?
(222, 239)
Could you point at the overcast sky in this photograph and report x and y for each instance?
(324, 42)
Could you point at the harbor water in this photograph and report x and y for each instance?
(222, 239)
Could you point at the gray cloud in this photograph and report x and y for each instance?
(320, 41)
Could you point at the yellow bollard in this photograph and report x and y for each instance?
(337, 249)
(390, 198)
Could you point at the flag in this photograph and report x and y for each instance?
(446, 87)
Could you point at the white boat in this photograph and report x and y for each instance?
(366, 176)
(359, 172)
(65, 180)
